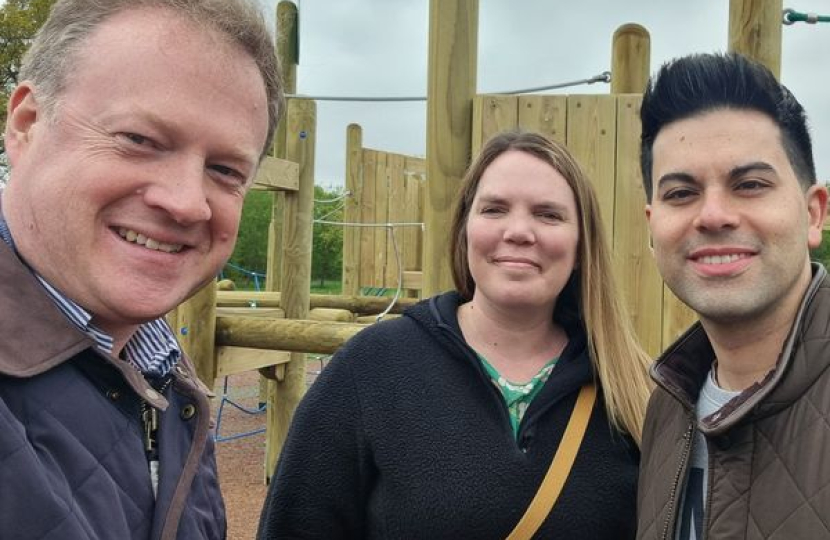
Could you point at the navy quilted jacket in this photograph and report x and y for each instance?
(72, 459)
(403, 435)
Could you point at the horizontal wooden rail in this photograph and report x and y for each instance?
(361, 305)
(284, 334)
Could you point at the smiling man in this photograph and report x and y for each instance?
(133, 137)
(741, 413)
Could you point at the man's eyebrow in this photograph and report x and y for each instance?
(755, 166)
(682, 177)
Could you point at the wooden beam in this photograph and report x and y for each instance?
(363, 305)
(630, 59)
(755, 31)
(285, 395)
(277, 175)
(233, 360)
(451, 84)
(284, 334)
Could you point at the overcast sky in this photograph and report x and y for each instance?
(379, 48)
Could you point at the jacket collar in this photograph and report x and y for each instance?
(681, 369)
(36, 336)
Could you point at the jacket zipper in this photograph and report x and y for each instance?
(150, 423)
(683, 458)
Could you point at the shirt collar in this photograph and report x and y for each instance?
(153, 348)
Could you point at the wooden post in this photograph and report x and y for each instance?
(351, 211)
(287, 53)
(453, 39)
(196, 330)
(630, 59)
(285, 394)
(755, 31)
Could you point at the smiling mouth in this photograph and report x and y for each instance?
(150, 243)
(722, 259)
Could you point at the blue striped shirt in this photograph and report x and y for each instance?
(152, 349)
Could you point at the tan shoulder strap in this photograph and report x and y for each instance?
(560, 467)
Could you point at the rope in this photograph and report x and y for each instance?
(604, 77)
(791, 16)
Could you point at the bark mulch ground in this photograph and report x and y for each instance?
(242, 461)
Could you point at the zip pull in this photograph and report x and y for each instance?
(150, 419)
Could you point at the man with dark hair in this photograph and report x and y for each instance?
(741, 412)
(133, 136)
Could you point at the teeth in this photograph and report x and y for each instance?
(720, 259)
(149, 243)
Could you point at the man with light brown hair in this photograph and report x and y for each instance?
(133, 136)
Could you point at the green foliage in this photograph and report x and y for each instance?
(19, 21)
(822, 253)
(251, 251)
(327, 254)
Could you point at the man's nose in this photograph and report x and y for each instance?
(181, 191)
(717, 211)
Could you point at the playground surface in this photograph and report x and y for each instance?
(242, 461)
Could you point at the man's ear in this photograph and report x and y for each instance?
(23, 114)
(817, 212)
(650, 238)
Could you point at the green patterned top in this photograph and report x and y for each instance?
(518, 396)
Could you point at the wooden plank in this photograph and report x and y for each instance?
(396, 198)
(367, 215)
(413, 280)
(276, 174)
(547, 115)
(492, 114)
(196, 330)
(413, 213)
(451, 82)
(592, 140)
(636, 273)
(381, 216)
(351, 209)
(414, 165)
(233, 360)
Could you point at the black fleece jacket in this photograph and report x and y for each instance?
(404, 436)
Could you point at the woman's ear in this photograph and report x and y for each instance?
(22, 115)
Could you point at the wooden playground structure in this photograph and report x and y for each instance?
(410, 198)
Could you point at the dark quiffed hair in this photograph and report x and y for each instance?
(700, 83)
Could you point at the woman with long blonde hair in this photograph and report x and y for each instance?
(444, 423)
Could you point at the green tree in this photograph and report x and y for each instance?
(251, 250)
(19, 21)
(822, 253)
(327, 250)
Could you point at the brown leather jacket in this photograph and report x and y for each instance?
(769, 448)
